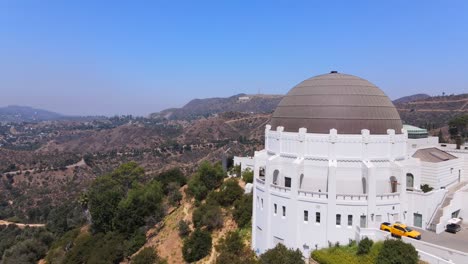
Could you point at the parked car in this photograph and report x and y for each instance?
(399, 230)
(453, 228)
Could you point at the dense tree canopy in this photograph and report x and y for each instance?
(120, 201)
(243, 211)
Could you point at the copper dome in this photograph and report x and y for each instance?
(341, 101)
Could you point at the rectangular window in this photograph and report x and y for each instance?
(350, 220)
(338, 219)
(306, 216)
(317, 217)
(284, 210)
(276, 209)
(287, 182)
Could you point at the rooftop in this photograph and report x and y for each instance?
(340, 101)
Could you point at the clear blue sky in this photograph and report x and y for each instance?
(138, 57)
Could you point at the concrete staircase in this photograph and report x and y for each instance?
(446, 202)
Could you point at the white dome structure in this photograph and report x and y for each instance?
(335, 162)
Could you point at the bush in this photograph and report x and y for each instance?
(147, 255)
(233, 250)
(208, 177)
(281, 255)
(397, 251)
(248, 175)
(197, 245)
(184, 228)
(364, 246)
(209, 216)
(230, 192)
(97, 248)
(426, 188)
(243, 211)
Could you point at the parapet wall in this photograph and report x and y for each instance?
(335, 146)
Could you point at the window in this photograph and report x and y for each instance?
(306, 216)
(378, 218)
(338, 219)
(284, 210)
(287, 182)
(262, 203)
(275, 177)
(393, 184)
(317, 217)
(276, 209)
(350, 220)
(258, 201)
(363, 221)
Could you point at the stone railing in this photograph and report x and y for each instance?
(260, 181)
(351, 197)
(318, 195)
(280, 189)
(388, 196)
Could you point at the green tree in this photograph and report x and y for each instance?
(209, 216)
(395, 251)
(243, 211)
(104, 198)
(184, 228)
(248, 175)
(282, 255)
(197, 245)
(142, 201)
(147, 255)
(208, 177)
(233, 250)
(230, 192)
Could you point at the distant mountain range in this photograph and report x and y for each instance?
(14, 113)
(419, 109)
(258, 103)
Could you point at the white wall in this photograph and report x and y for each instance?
(457, 203)
(425, 204)
(440, 174)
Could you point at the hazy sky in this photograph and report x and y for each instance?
(137, 57)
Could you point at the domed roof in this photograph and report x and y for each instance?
(341, 101)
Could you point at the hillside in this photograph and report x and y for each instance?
(419, 109)
(17, 114)
(410, 98)
(198, 108)
(432, 112)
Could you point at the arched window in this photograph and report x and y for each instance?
(301, 179)
(393, 184)
(364, 185)
(409, 181)
(275, 177)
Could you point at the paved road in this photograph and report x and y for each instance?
(458, 241)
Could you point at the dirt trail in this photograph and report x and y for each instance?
(3, 222)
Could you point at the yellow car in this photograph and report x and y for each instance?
(399, 230)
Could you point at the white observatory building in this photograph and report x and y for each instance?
(337, 158)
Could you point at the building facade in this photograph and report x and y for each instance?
(337, 158)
